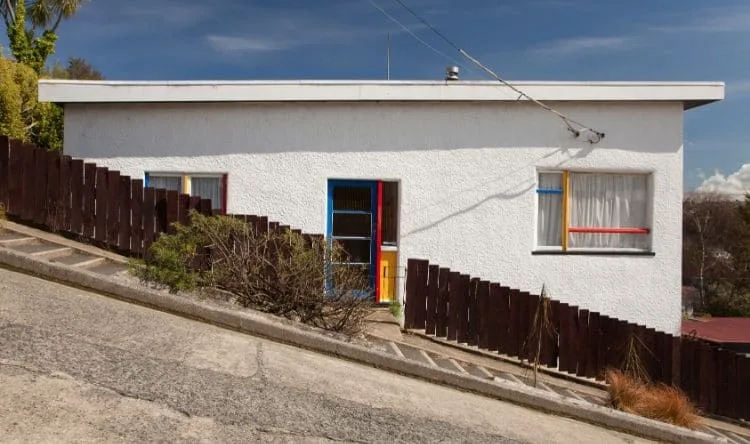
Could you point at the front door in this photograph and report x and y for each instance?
(352, 223)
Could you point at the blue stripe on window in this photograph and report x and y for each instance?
(549, 191)
(145, 179)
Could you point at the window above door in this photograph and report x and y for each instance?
(590, 212)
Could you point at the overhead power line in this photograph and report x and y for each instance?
(575, 127)
(419, 39)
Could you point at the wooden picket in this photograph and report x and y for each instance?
(496, 318)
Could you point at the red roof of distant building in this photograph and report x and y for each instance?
(723, 330)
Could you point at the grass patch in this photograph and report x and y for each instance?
(656, 401)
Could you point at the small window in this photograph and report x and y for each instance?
(171, 183)
(582, 210)
(206, 186)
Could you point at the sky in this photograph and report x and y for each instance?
(680, 40)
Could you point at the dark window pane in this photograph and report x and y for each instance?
(356, 250)
(352, 198)
(390, 213)
(347, 224)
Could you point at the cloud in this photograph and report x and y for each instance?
(273, 30)
(584, 45)
(735, 184)
(721, 20)
(224, 43)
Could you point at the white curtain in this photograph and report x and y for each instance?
(609, 200)
(207, 188)
(166, 182)
(549, 227)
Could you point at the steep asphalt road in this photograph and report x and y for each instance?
(77, 366)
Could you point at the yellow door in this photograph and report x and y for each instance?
(387, 275)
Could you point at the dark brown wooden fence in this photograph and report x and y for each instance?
(497, 318)
(92, 203)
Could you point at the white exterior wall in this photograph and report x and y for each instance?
(467, 175)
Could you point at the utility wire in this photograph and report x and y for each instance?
(567, 120)
(419, 39)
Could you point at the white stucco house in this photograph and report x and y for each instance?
(462, 173)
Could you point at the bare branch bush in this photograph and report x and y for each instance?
(279, 272)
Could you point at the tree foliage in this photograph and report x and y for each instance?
(26, 46)
(22, 117)
(76, 68)
(716, 253)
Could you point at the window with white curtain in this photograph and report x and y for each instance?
(206, 186)
(593, 210)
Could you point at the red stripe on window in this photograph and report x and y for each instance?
(604, 230)
(378, 240)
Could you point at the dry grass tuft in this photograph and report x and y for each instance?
(655, 401)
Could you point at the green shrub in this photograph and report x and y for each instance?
(282, 273)
(395, 308)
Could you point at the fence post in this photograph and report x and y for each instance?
(183, 204)
(432, 299)
(464, 292)
(15, 175)
(102, 198)
(149, 218)
(136, 211)
(173, 210)
(53, 190)
(514, 323)
(4, 170)
(454, 290)
(28, 204)
(123, 234)
(420, 314)
(472, 306)
(41, 171)
(743, 389)
(524, 332)
(564, 315)
(65, 206)
(552, 341)
(113, 208)
(593, 366)
(76, 196)
(441, 324)
(411, 294)
(89, 199)
(483, 308)
(504, 341)
(582, 339)
(493, 319)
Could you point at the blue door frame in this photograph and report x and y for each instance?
(371, 186)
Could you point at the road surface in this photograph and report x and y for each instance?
(77, 366)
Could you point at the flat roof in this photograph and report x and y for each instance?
(77, 91)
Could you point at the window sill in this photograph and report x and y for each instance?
(593, 253)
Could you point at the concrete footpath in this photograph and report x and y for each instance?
(79, 367)
(48, 255)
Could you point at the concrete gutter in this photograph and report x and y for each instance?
(277, 329)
